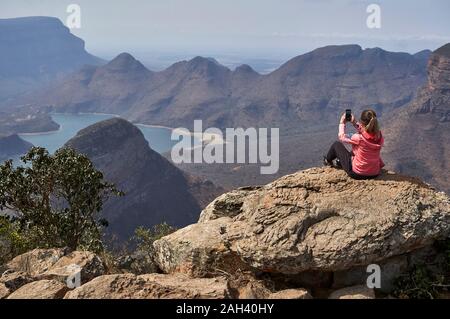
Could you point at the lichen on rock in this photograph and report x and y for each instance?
(314, 220)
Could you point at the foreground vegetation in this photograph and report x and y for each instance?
(55, 201)
(52, 201)
(427, 280)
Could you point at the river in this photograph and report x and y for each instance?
(159, 138)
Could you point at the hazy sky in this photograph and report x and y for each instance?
(259, 27)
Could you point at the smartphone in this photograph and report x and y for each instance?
(348, 115)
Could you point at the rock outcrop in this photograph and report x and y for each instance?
(14, 280)
(318, 221)
(4, 291)
(355, 292)
(418, 140)
(152, 286)
(30, 275)
(35, 262)
(309, 234)
(45, 274)
(291, 294)
(41, 289)
(434, 97)
(89, 265)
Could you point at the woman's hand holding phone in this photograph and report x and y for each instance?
(344, 119)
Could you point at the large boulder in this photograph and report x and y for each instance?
(36, 262)
(52, 264)
(42, 289)
(314, 220)
(355, 292)
(14, 280)
(139, 263)
(246, 286)
(291, 294)
(88, 264)
(153, 286)
(4, 291)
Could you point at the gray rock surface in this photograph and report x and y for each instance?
(36, 262)
(314, 220)
(42, 289)
(291, 294)
(4, 292)
(153, 286)
(355, 292)
(14, 280)
(88, 264)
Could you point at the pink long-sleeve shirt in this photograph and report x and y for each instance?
(366, 149)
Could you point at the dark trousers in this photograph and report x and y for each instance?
(338, 151)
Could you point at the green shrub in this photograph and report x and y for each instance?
(57, 199)
(419, 283)
(141, 260)
(144, 237)
(423, 281)
(12, 243)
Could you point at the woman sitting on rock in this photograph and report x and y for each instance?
(364, 161)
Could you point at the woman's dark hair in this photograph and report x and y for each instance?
(370, 121)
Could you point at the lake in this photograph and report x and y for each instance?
(159, 138)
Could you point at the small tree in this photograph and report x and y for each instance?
(144, 237)
(143, 257)
(56, 198)
(11, 242)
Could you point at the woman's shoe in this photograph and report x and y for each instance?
(325, 162)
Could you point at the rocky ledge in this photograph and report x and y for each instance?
(51, 274)
(309, 234)
(316, 227)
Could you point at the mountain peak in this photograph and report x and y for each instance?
(424, 54)
(111, 132)
(245, 68)
(155, 190)
(124, 127)
(200, 62)
(296, 65)
(203, 60)
(124, 57)
(444, 50)
(203, 65)
(125, 61)
(335, 50)
(107, 136)
(197, 63)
